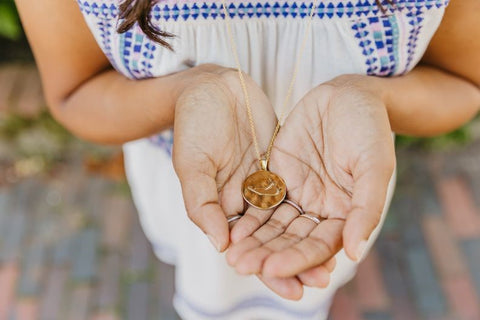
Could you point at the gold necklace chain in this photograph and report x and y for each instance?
(264, 160)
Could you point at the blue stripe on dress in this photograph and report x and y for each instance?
(254, 302)
(181, 10)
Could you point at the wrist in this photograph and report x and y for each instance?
(200, 74)
(170, 88)
(204, 82)
(370, 84)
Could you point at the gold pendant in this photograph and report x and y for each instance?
(264, 190)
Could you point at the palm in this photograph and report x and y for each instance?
(336, 155)
(315, 153)
(213, 150)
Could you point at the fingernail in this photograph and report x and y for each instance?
(214, 242)
(361, 249)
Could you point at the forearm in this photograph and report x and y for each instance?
(112, 109)
(427, 101)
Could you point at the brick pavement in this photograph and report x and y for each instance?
(79, 257)
(429, 250)
(84, 255)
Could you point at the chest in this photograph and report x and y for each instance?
(348, 35)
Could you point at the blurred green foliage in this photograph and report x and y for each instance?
(44, 139)
(459, 137)
(13, 125)
(10, 26)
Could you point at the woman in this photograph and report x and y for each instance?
(368, 68)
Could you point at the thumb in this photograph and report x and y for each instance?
(368, 201)
(201, 202)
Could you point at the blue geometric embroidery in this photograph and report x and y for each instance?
(137, 52)
(276, 9)
(361, 32)
(124, 48)
(104, 14)
(148, 55)
(163, 140)
(395, 47)
(103, 11)
(414, 20)
(138, 60)
(194, 10)
(378, 39)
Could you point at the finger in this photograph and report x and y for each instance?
(288, 288)
(318, 276)
(322, 243)
(250, 222)
(368, 202)
(330, 264)
(251, 262)
(238, 249)
(201, 202)
(271, 229)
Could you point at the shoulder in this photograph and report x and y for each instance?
(455, 46)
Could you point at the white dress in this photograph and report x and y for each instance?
(348, 36)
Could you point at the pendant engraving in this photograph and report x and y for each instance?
(264, 190)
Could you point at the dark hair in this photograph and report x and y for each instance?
(138, 11)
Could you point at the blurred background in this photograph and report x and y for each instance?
(71, 246)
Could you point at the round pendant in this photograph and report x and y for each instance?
(264, 190)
